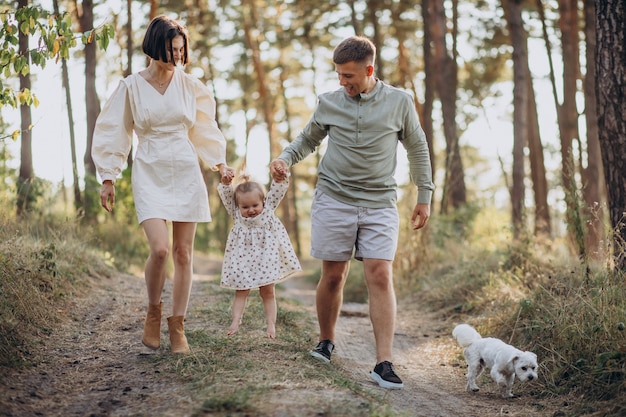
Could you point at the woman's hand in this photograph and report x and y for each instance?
(107, 195)
(227, 173)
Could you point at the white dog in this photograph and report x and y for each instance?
(505, 361)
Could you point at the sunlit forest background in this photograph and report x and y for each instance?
(526, 227)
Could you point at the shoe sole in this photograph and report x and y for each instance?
(320, 357)
(385, 384)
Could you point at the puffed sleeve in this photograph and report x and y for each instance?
(276, 193)
(228, 199)
(205, 135)
(113, 135)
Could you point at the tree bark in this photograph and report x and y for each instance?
(611, 101)
(594, 189)
(568, 119)
(429, 81)
(78, 199)
(521, 79)
(27, 174)
(85, 17)
(129, 58)
(454, 193)
(543, 226)
(251, 21)
(374, 6)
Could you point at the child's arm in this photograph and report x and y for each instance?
(226, 195)
(276, 193)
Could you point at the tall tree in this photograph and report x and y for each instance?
(374, 7)
(521, 77)
(543, 227)
(86, 19)
(129, 58)
(611, 99)
(568, 118)
(27, 174)
(429, 80)
(253, 39)
(78, 199)
(593, 182)
(454, 193)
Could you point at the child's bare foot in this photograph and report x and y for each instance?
(234, 326)
(271, 332)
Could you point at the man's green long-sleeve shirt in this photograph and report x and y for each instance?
(360, 161)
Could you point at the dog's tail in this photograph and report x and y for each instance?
(465, 335)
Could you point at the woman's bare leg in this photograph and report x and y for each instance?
(158, 239)
(182, 253)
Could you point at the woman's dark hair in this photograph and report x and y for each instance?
(158, 39)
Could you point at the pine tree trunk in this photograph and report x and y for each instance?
(513, 13)
(454, 193)
(611, 96)
(593, 183)
(92, 104)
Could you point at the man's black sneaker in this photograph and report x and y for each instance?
(323, 350)
(385, 376)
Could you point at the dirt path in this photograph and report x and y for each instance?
(96, 366)
(427, 359)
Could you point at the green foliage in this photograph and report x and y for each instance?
(54, 39)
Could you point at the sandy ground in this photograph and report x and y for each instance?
(95, 365)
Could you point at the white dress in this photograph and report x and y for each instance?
(258, 250)
(173, 129)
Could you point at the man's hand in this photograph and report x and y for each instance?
(421, 214)
(279, 170)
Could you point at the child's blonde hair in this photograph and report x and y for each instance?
(245, 184)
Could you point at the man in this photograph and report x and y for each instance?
(354, 206)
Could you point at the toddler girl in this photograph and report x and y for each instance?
(258, 250)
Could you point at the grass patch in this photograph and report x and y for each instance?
(534, 296)
(248, 373)
(42, 269)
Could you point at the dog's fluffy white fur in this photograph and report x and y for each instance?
(504, 361)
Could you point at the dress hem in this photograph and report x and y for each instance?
(284, 278)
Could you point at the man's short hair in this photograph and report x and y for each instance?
(355, 49)
(159, 35)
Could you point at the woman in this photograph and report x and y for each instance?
(173, 116)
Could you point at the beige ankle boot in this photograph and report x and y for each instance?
(152, 327)
(177, 334)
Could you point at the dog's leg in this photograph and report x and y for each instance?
(509, 387)
(474, 369)
(504, 380)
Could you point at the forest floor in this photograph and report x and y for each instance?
(94, 365)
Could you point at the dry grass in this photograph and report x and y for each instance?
(534, 296)
(41, 269)
(527, 294)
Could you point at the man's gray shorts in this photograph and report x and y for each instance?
(338, 230)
